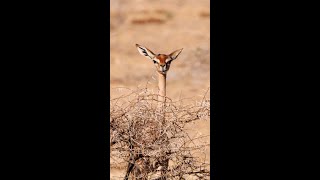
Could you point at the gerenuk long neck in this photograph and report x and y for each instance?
(161, 106)
(162, 87)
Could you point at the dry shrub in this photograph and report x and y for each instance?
(151, 140)
(157, 16)
(148, 20)
(204, 14)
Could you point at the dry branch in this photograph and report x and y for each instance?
(142, 142)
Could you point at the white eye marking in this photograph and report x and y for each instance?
(156, 60)
(169, 59)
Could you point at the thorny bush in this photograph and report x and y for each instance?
(151, 141)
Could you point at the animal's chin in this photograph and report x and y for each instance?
(162, 72)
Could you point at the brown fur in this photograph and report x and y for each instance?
(162, 58)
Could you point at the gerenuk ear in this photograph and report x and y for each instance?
(175, 54)
(145, 51)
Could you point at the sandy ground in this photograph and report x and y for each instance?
(163, 26)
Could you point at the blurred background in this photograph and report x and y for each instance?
(162, 26)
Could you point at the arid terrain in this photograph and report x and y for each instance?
(162, 26)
